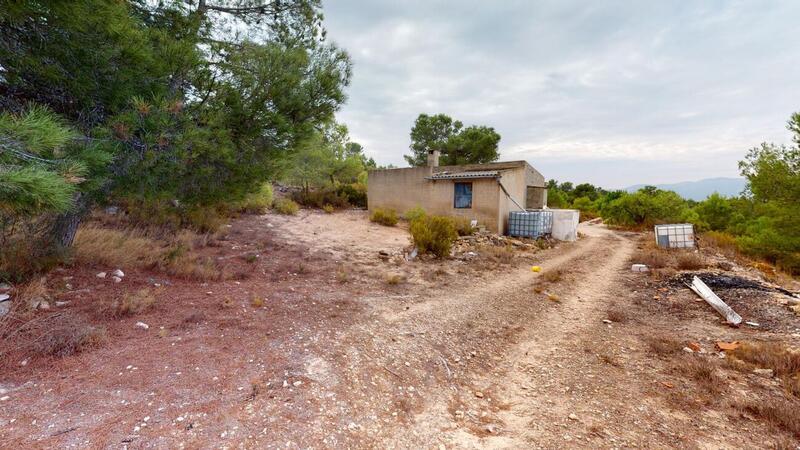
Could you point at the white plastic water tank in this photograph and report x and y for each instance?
(565, 224)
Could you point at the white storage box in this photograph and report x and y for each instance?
(565, 224)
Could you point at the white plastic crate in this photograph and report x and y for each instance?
(679, 235)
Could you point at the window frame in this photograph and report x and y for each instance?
(456, 195)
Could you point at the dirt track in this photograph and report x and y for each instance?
(495, 359)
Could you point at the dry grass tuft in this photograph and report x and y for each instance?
(703, 372)
(193, 268)
(554, 298)
(770, 355)
(778, 413)
(31, 293)
(55, 335)
(342, 275)
(257, 302)
(616, 314)
(133, 303)
(118, 248)
(690, 261)
(497, 255)
(552, 276)
(654, 258)
(663, 346)
(193, 318)
(227, 303)
(394, 279)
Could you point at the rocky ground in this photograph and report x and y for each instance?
(355, 346)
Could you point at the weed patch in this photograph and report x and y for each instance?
(386, 217)
(286, 207)
(133, 303)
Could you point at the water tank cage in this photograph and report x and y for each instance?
(533, 223)
(679, 235)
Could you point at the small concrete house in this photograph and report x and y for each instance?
(483, 192)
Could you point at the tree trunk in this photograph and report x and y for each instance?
(65, 226)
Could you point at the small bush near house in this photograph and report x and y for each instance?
(463, 226)
(386, 217)
(286, 206)
(354, 193)
(434, 234)
(257, 202)
(414, 213)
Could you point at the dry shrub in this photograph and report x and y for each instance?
(552, 276)
(394, 279)
(286, 206)
(778, 413)
(386, 217)
(663, 346)
(690, 261)
(653, 258)
(117, 248)
(58, 334)
(342, 275)
(179, 262)
(257, 302)
(133, 303)
(724, 242)
(497, 255)
(616, 314)
(32, 292)
(193, 318)
(770, 355)
(703, 372)
(463, 226)
(328, 208)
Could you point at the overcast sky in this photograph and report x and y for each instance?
(609, 92)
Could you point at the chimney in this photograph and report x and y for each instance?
(433, 158)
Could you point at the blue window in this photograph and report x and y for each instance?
(462, 195)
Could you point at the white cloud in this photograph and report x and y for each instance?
(657, 87)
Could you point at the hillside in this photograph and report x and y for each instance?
(700, 189)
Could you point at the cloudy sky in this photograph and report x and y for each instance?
(609, 92)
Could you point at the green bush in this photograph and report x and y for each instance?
(434, 234)
(318, 198)
(286, 206)
(414, 213)
(258, 201)
(355, 194)
(328, 208)
(386, 217)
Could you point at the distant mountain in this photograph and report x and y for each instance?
(700, 189)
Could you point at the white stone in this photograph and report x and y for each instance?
(142, 325)
(101, 275)
(118, 273)
(116, 279)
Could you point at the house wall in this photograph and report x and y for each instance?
(403, 189)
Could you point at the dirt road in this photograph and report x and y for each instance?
(340, 356)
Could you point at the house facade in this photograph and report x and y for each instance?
(483, 192)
